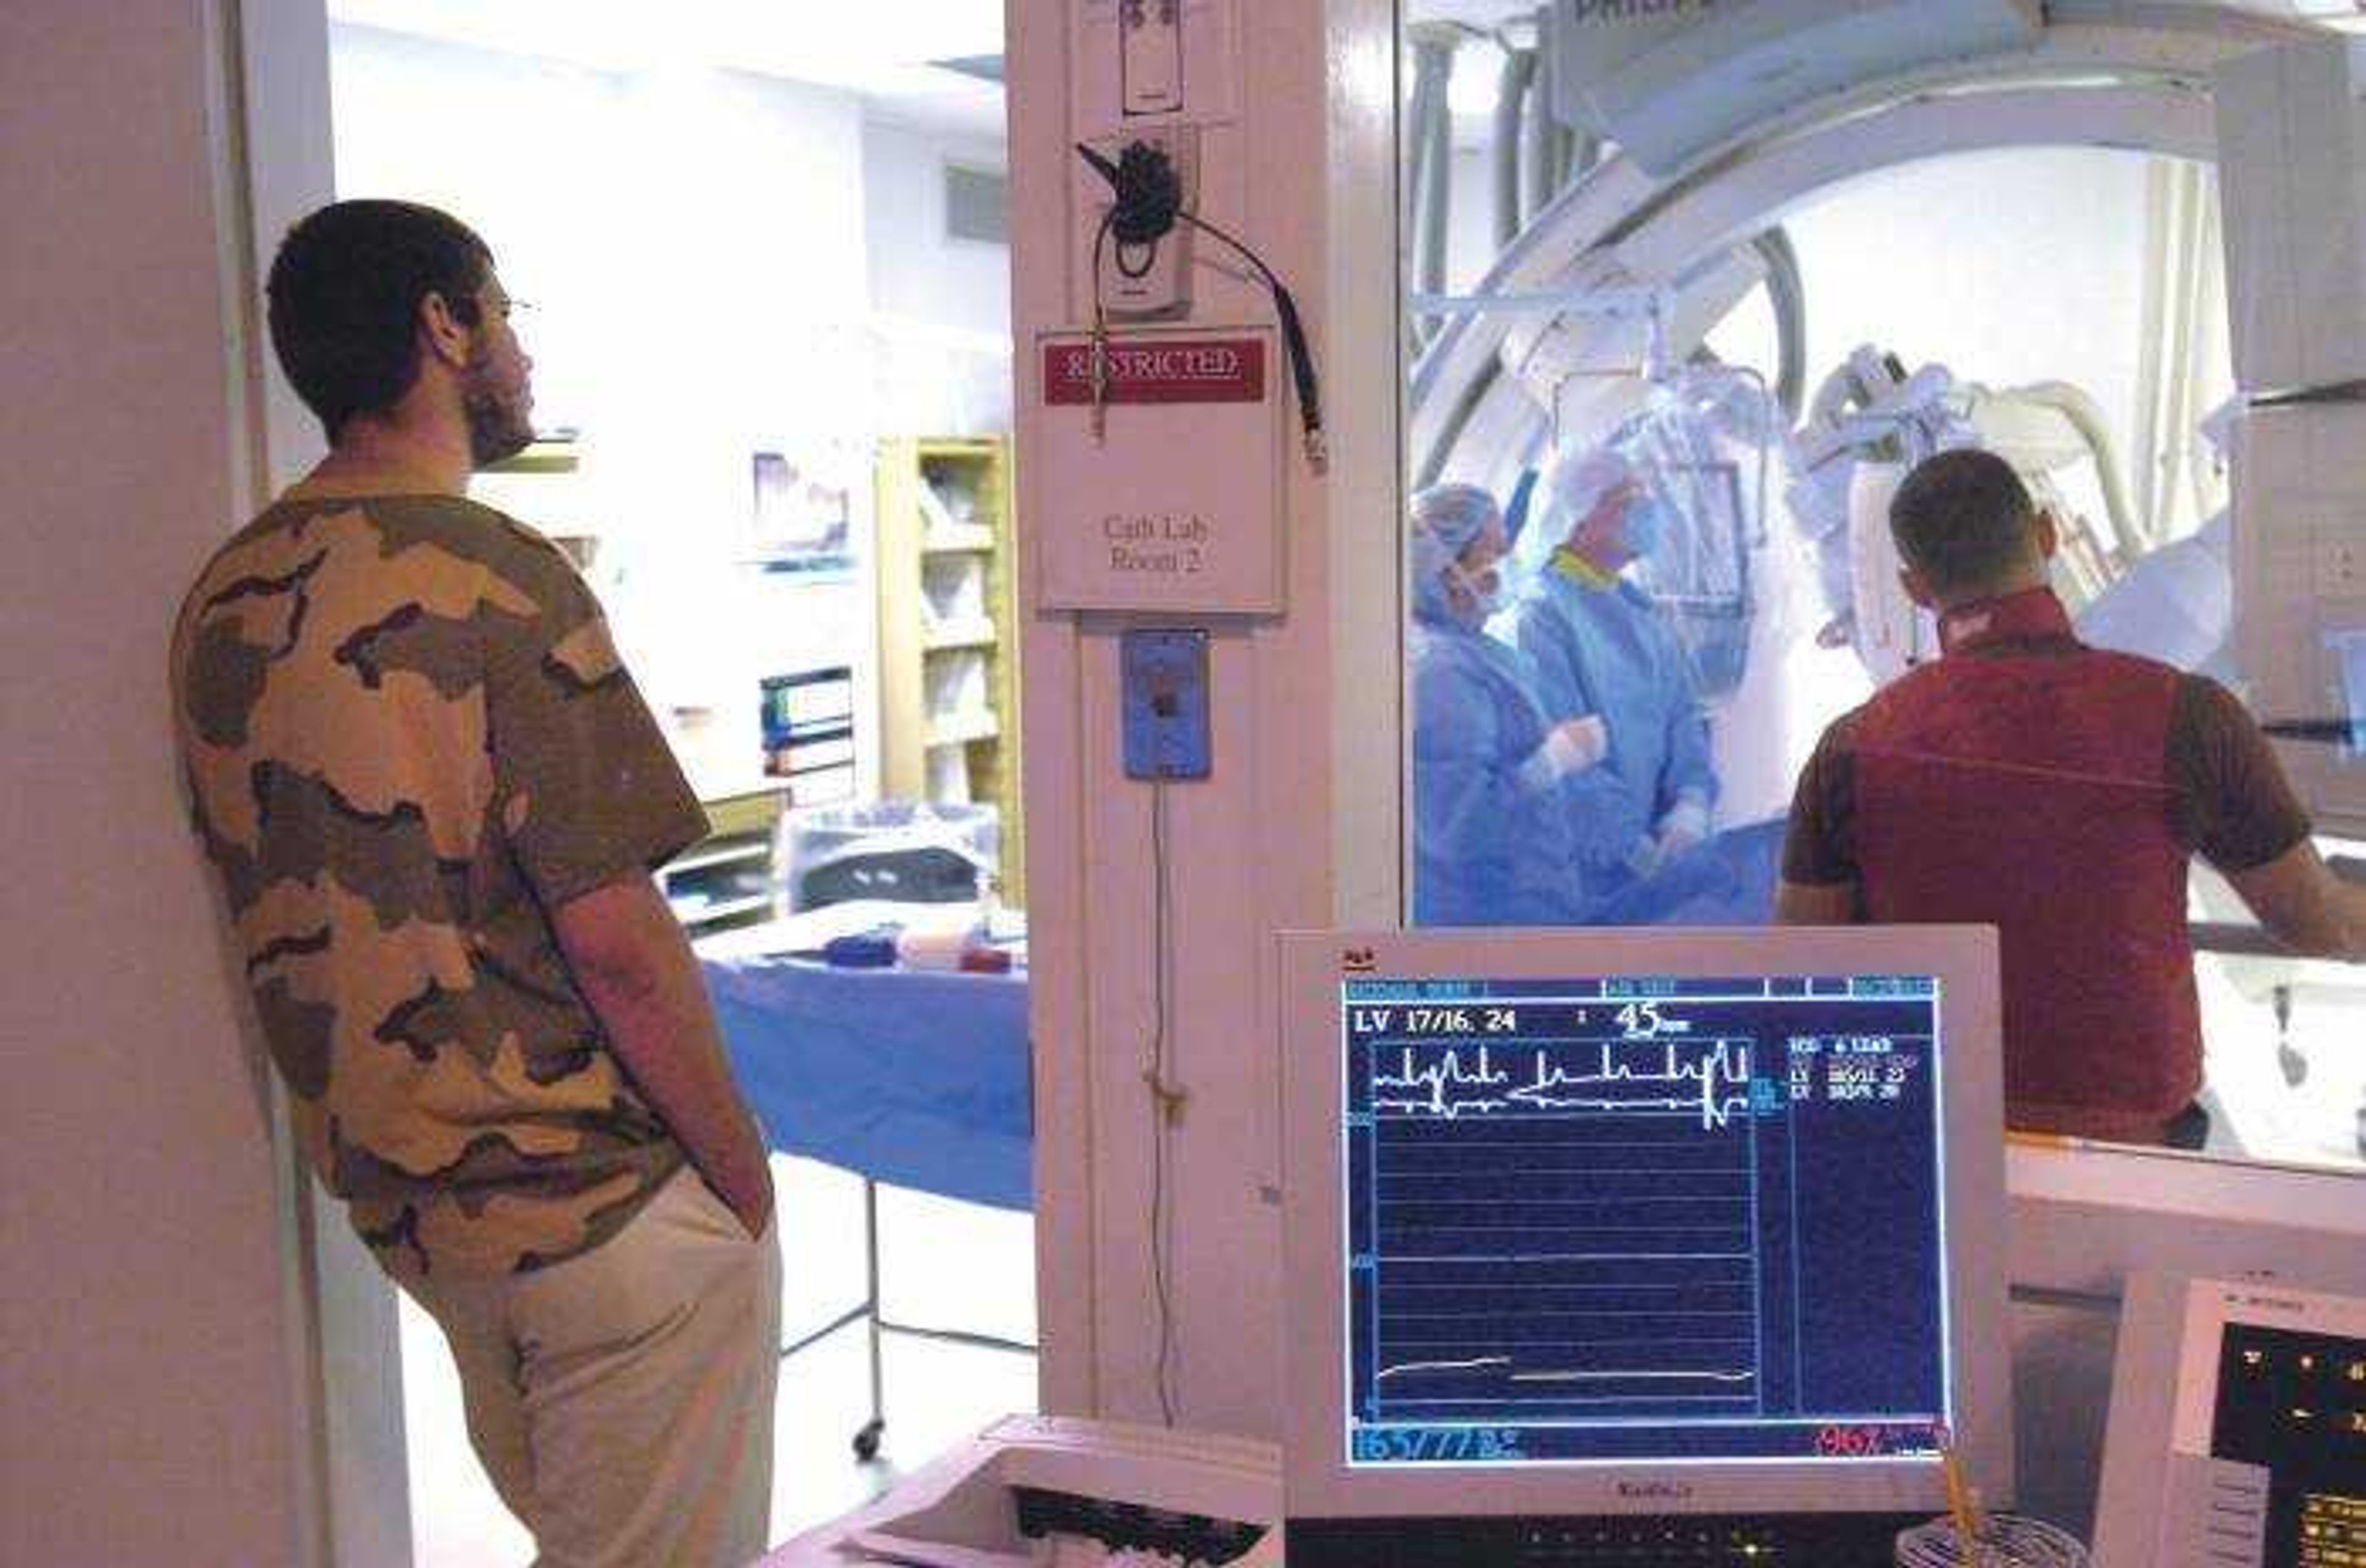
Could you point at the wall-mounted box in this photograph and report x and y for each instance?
(1134, 63)
(2291, 173)
(2299, 598)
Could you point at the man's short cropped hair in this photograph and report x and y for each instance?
(1962, 520)
(344, 294)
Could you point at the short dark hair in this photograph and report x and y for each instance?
(344, 294)
(1962, 520)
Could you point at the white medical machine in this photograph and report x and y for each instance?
(2238, 1428)
(2292, 136)
(1040, 1492)
(1638, 1245)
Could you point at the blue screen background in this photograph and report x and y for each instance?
(1642, 1220)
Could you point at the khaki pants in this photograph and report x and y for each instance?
(622, 1401)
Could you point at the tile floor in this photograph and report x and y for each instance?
(943, 1263)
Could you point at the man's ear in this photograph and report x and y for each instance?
(442, 331)
(1916, 589)
(2045, 532)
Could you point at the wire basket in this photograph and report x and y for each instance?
(2005, 1540)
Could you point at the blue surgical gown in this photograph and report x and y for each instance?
(1491, 840)
(1605, 650)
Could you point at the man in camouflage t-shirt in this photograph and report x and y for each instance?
(433, 798)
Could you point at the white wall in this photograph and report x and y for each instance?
(2008, 267)
(917, 273)
(686, 236)
(720, 264)
(690, 240)
(940, 307)
(521, 150)
(1470, 246)
(145, 1398)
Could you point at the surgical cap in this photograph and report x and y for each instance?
(1454, 515)
(1431, 556)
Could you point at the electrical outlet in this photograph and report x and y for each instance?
(1150, 283)
(1165, 705)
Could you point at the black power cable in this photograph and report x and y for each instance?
(1148, 203)
(1149, 192)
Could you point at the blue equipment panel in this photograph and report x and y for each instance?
(1165, 704)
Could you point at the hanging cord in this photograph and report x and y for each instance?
(1166, 1100)
(1293, 332)
(1148, 203)
(1100, 334)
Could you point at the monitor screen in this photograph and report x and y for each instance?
(1642, 1220)
(1613, 1217)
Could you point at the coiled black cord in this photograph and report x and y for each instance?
(1148, 203)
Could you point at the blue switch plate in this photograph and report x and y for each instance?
(1165, 704)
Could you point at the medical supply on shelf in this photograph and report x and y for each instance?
(862, 950)
(931, 948)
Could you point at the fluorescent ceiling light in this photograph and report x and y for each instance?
(878, 46)
(985, 67)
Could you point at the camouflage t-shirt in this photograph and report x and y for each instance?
(406, 736)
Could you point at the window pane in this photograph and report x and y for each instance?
(1649, 557)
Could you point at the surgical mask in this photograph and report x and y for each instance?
(1645, 526)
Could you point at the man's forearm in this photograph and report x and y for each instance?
(2304, 905)
(636, 971)
(2350, 899)
(1814, 904)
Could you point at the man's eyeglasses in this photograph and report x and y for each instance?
(473, 309)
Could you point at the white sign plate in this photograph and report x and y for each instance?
(1177, 506)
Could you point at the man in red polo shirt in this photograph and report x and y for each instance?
(2057, 792)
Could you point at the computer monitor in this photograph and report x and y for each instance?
(1622, 1239)
(2238, 1428)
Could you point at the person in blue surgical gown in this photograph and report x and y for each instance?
(1600, 647)
(1491, 838)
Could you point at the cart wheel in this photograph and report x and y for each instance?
(866, 1442)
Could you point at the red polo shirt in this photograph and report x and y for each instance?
(2057, 792)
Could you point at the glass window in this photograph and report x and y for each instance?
(1651, 448)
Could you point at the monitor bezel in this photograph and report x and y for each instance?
(1319, 1483)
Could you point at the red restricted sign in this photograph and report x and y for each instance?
(1157, 371)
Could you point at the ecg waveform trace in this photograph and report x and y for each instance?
(1563, 1229)
(1719, 1080)
(1631, 1375)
